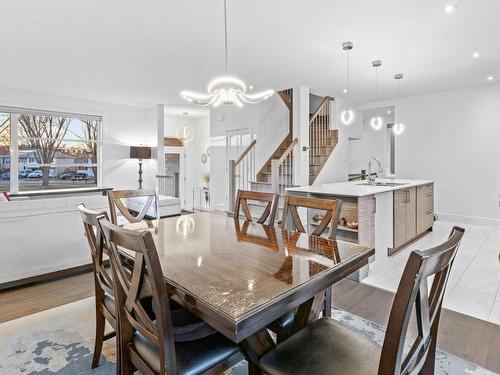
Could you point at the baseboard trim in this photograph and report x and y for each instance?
(43, 278)
(477, 220)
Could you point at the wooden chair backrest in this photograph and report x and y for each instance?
(412, 292)
(116, 197)
(102, 275)
(132, 314)
(244, 196)
(330, 219)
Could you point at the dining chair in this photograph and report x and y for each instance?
(147, 342)
(327, 347)
(116, 201)
(329, 221)
(271, 199)
(103, 282)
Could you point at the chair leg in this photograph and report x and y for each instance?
(118, 350)
(100, 323)
(327, 310)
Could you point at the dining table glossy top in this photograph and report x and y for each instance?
(237, 267)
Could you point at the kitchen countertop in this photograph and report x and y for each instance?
(356, 188)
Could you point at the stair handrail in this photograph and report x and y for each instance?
(276, 164)
(325, 100)
(288, 150)
(245, 152)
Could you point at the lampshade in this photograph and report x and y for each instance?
(140, 152)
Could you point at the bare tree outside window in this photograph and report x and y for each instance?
(4, 130)
(44, 135)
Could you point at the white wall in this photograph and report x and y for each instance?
(453, 137)
(373, 143)
(218, 176)
(194, 168)
(123, 126)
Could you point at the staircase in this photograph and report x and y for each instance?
(282, 157)
(277, 174)
(322, 140)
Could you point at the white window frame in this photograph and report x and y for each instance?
(14, 141)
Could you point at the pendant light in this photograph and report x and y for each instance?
(347, 115)
(398, 127)
(376, 121)
(226, 89)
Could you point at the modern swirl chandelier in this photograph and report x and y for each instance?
(226, 89)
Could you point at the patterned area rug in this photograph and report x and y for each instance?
(60, 341)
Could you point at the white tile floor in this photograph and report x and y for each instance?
(474, 284)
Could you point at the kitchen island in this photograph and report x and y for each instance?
(390, 214)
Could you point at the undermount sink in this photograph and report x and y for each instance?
(382, 183)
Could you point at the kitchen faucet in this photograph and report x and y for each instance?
(371, 180)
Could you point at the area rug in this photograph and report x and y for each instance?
(60, 341)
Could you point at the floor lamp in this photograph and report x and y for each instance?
(140, 152)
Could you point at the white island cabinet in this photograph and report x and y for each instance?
(390, 214)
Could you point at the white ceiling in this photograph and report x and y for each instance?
(145, 52)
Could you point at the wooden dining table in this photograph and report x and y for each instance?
(240, 276)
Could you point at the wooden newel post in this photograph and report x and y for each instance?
(275, 176)
(232, 185)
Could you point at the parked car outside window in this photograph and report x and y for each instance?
(36, 174)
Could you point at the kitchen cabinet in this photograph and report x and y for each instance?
(405, 218)
(425, 207)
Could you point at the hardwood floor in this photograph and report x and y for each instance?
(22, 301)
(475, 340)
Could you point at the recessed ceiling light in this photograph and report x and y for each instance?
(450, 8)
(389, 111)
(490, 78)
(250, 87)
(345, 91)
(476, 55)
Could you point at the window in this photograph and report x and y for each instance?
(50, 150)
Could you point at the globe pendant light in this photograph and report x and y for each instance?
(347, 115)
(398, 127)
(226, 89)
(376, 121)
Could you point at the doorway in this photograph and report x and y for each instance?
(173, 181)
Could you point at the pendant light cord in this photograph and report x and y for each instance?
(225, 31)
(347, 72)
(376, 88)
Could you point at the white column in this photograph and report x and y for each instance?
(301, 131)
(160, 149)
(14, 159)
